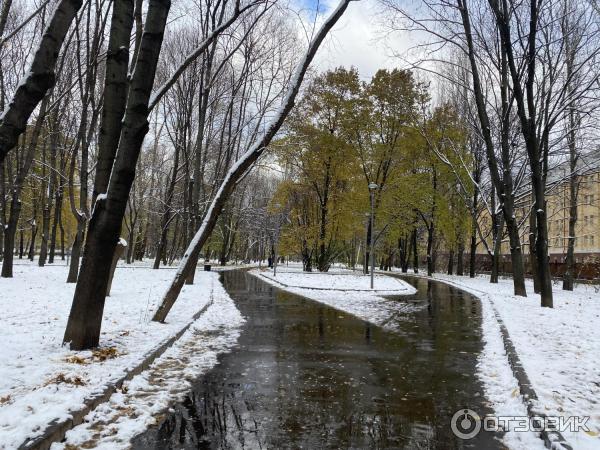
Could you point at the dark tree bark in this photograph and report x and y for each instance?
(167, 213)
(504, 184)
(115, 93)
(533, 262)
(404, 250)
(117, 255)
(76, 252)
(323, 261)
(460, 258)
(33, 232)
(10, 230)
(569, 276)
(572, 125)
(58, 204)
(4, 15)
(21, 246)
(48, 194)
(85, 319)
(17, 186)
(430, 240)
(475, 208)
(529, 120)
(39, 79)
(415, 246)
(497, 233)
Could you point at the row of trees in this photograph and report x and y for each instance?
(524, 76)
(197, 132)
(84, 85)
(135, 118)
(345, 135)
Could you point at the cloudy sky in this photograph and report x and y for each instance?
(357, 39)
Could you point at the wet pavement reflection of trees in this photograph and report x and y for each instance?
(308, 376)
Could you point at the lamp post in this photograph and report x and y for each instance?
(372, 188)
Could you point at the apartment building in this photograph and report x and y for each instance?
(587, 230)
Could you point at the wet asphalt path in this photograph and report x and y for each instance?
(305, 375)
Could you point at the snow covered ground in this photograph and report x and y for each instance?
(40, 380)
(339, 280)
(344, 290)
(559, 349)
(139, 404)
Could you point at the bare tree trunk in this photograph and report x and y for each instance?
(47, 198)
(21, 247)
(451, 262)
(10, 230)
(57, 219)
(39, 79)
(45, 232)
(415, 251)
(130, 246)
(17, 186)
(528, 117)
(430, 238)
(473, 253)
(532, 250)
(572, 124)
(498, 232)
(162, 245)
(6, 4)
(115, 93)
(460, 258)
(504, 185)
(34, 229)
(76, 252)
(473, 247)
(85, 318)
(117, 255)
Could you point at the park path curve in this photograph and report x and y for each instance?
(305, 375)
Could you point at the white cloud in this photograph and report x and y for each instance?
(357, 40)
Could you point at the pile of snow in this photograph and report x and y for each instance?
(558, 348)
(40, 380)
(347, 291)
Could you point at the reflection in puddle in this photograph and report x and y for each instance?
(308, 376)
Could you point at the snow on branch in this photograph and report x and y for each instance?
(240, 167)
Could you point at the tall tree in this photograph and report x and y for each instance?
(39, 79)
(244, 163)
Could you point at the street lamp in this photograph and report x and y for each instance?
(372, 188)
